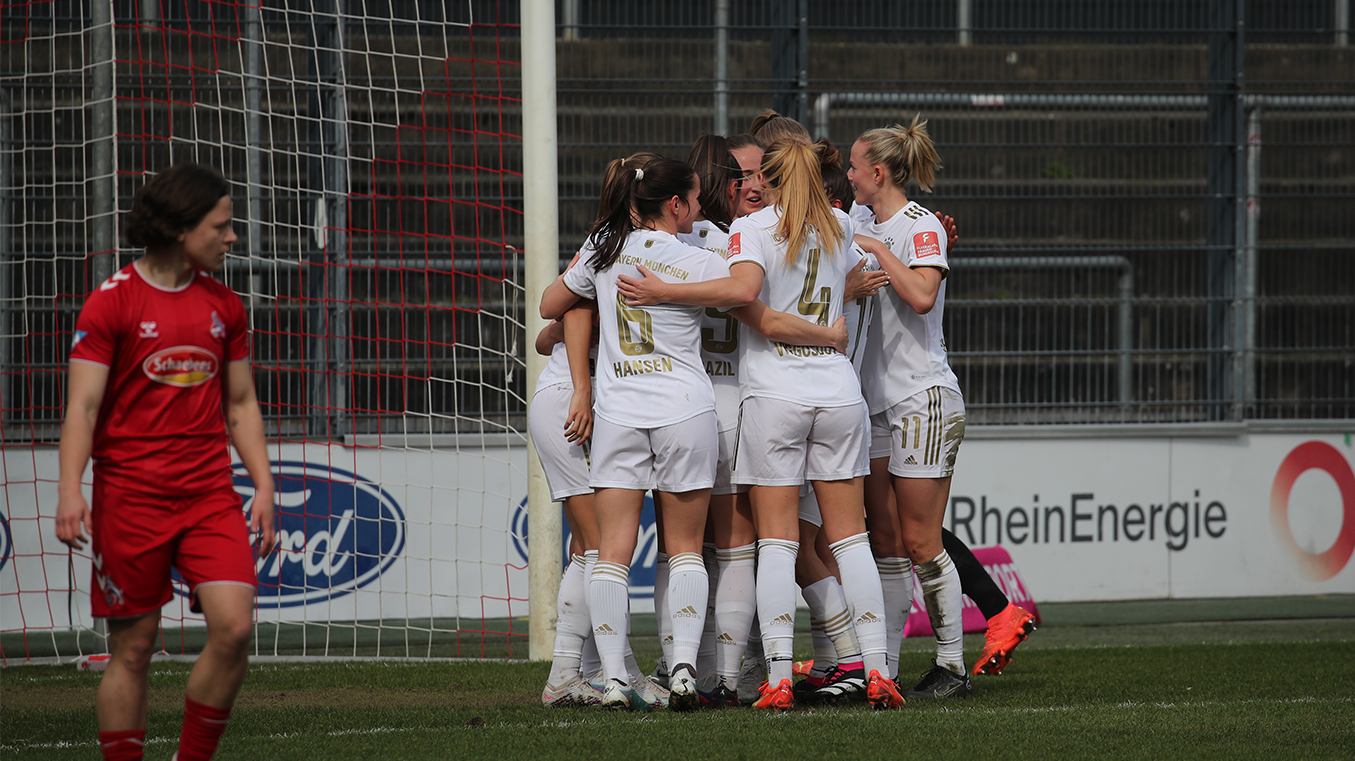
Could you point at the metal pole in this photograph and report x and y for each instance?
(1342, 22)
(1126, 337)
(101, 189)
(254, 136)
(570, 11)
(1247, 274)
(8, 258)
(542, 233)
(964, 21)
(150, 14)
(721, 67)
(802, 98)
(1224, 125)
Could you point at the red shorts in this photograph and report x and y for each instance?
(137, 538)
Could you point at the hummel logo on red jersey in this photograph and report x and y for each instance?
(112, 282)
(148, 330)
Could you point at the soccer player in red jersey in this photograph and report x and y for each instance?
(161, 351)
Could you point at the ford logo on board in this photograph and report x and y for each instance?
(336, 531)
(644, 562)
(6, 542)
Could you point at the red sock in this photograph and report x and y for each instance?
(202, 728)
(123, 744)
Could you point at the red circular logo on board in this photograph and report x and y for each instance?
(182, 366)
(1325, 457)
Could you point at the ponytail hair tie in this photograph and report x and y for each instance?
(639, 174)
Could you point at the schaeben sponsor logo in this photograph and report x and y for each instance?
(644, 561)
(181, 366)
(6, 541)
(1307, 456)
(337, 532)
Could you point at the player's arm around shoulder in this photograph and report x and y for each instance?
(85, 394)
(713, 287)
(915, 274)
(244, 421)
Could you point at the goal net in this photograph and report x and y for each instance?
(373, 152)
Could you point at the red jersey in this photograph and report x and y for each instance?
(161, 427)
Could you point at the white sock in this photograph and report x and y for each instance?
(865, 598)
(735, 608)
(662, 610)
(707, 656)
(572, 623)
(609, 604)
(825, 653)
(940, 583)
(688, 590)
(590, 663)
(827, 604)
(776, 604)
(896, 578)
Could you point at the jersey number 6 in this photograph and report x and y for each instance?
(625, 315)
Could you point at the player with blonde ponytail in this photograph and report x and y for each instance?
(913, 394)
(802, 417)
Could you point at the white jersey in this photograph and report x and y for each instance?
(907, 355)
(860, 313)
(649, 371)
(719, 333)
(557, 369)
(861, 215)
(814, 376)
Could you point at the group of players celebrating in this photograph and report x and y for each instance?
(766, 330)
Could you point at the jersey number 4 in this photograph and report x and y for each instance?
(809, 305)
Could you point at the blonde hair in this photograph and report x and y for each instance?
(769, 126)
(907, 152)
(790, 169)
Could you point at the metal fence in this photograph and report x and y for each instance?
(1154, 197)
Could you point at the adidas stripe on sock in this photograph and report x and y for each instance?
(735, 607)
(776, 604)
(572, 623)
(896, 579)
(609, 606)
(865, 598)
(827, 604)
(688, 588)
(940, 583)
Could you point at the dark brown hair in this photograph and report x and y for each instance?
(769, 126)
(835, 182)
(172, 203)
(634, 190)
(716, 168)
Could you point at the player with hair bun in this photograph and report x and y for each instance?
(159, 382)
(770, 126)
(913, 394)
(654, 424)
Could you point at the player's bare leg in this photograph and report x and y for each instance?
(922, 509)
(220, 669)
(121, 700)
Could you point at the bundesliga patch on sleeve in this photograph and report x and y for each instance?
(926, 244)
(734, 244)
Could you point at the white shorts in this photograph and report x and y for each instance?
(809, 508)
(925, 432)
(674, 458)
(723, 484)
(565, 464)
(785, 444)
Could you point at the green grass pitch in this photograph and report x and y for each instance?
(1268, 689)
